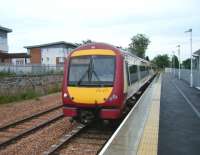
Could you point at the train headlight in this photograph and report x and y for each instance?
(113, 97)
(65, 95)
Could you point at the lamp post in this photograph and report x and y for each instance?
(191, 76)
(173, 62)
(179, 66)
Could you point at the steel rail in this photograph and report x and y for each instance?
(65, 139)
(26, 132)
(19, 135)
(17, 122)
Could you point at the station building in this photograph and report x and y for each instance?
(50, 53)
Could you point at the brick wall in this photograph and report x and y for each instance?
(35, 56)
(8, 61)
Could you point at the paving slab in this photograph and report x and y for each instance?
(179, 126)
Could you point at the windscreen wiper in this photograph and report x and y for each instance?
(81, 79)
(83, 76)
(93, 71)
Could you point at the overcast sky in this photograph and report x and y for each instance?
(111, 21)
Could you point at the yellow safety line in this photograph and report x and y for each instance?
(149, 141)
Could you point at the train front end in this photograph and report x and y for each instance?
(93, 83)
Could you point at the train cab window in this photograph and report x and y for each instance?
(133, 73)
(78, 68)
(103, 69)
(92, 71)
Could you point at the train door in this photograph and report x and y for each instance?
(128, 74)
(126, 77)
(138, 72)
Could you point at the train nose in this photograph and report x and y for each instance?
(89, 95)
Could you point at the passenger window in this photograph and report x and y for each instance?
(143, 71)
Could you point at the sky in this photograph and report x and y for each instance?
(112, 21)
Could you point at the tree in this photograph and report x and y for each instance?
(84, 42)
(161, 61)
(186, 63)
(147, 58)
(139, 44)
(87, 41)
(175, 62)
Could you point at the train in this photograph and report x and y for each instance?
(98, 80)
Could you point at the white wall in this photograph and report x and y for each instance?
(3, 41)
(14, 60)
(49, 54)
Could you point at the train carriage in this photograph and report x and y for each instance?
(99, 78)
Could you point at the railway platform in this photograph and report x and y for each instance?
(165, 120)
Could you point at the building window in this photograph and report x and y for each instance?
(60, 60)
(28, 51)
(19, 62)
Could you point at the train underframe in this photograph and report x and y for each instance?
(86, 115)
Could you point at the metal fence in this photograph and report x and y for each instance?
(32, 69)
(185, 75)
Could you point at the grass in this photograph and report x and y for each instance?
(30, 94)
(19, 97)
(6, 74)
(54, 89)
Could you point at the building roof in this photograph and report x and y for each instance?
(5, 29)
(3, 54)
(197, 52)
(13, 55)
(52, 44)
(19, 55)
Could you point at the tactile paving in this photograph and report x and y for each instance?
(149, 141)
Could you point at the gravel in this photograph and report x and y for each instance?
(18, 110)
(86, 144)
(38, 142)
(11, 132)
(83, 149)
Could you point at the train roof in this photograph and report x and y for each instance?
(99, 45)
(129, 54)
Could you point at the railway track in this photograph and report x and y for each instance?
(84, 139)
(14, 131)
(89, 139)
